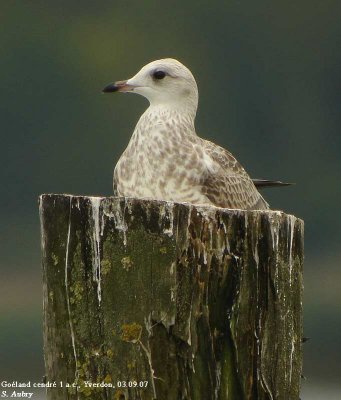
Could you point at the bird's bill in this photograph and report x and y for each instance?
(119, 86)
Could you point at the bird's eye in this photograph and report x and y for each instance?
(159, 74)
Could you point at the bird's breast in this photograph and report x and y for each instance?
(159, 165)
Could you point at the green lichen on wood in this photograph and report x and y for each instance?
(195, 301)
(131, 332)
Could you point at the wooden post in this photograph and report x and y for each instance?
(153, 300)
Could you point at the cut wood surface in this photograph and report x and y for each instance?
(147, 299)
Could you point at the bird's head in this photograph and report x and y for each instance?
(163, 82)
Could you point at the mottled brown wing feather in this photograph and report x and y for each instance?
(228, 184)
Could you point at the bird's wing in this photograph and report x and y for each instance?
(226, 183)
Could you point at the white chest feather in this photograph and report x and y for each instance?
(162, 160)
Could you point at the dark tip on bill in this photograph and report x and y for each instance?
(110, 88)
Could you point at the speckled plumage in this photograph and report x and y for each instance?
(165, 159)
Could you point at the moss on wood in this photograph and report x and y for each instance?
(197, 302)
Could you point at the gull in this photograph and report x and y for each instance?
(166, 159)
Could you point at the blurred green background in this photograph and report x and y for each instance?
(270, 91)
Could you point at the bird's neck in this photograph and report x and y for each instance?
(170, 117)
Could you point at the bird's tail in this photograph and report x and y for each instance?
(263, 183)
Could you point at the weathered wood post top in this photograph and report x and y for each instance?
(147, 299)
